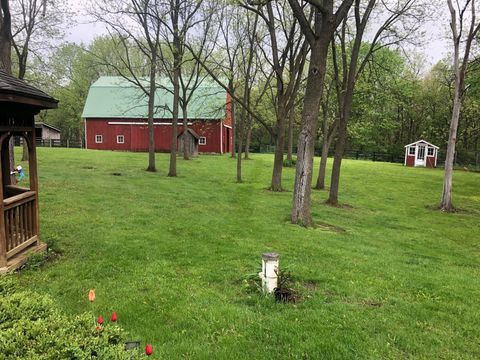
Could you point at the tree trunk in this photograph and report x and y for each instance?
(290, 136)
(185, 136)
(11, 155)
(446, 203)
(337, 162)
(308, 133)
(326, 142)
(276, 184)
(177, 61)
(6, 64)
(173, 146)
(239, 151)
(25, 150)
(151, 110)
(322, 170)
(248, 138)
(232, 107)
(5, 37)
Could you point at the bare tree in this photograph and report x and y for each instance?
(402, 20)
(231, 38)
(249, 75)
(229, 66)
(288, 51)
(465, 27)
(32, 27)
(179, 17)
(318, 35)
(34, 24)
(192, 74)
(135, 23)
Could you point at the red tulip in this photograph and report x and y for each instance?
(114, 316)
(148, 349)
(100, 320)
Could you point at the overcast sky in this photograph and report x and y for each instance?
(435, 45)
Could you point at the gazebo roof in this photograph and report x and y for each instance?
(14, 90)
(422, 141)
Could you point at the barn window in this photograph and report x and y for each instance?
(430, 151)
(411, 150)
(98, 139)
(120, 139)
(202, 140)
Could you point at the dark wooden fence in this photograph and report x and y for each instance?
(463, 159)
(60, 143)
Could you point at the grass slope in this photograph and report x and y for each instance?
(170, 254)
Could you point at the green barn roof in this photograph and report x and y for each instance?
(116, 97)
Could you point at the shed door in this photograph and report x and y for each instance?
(420, 156)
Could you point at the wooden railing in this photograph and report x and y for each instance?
(19, 213)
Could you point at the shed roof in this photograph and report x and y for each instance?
(191, 131)
(41, 124)
(422, 141)
(116, 97)
(14, 90)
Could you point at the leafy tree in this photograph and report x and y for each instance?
(464, 27)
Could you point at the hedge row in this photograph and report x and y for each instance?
(31, 327)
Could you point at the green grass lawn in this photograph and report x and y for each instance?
(170, 255)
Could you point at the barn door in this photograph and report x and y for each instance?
(420, 155)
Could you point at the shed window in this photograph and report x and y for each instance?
(430, 151)
(98, 139)
(120, 139)
(202, 140)
(411, 150)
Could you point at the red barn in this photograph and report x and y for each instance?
(421, 153)
(115, 115)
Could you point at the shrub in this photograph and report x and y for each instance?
(31, 327)
(290, 163)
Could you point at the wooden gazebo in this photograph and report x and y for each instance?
(19, 222)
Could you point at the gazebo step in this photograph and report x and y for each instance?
(21, 258)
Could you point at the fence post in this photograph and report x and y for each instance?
(68, 143)
(374, 158)
(357, 154)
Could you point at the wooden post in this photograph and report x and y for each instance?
(3, 237)
(32, 153)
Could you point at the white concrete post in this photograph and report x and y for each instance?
(269, 272)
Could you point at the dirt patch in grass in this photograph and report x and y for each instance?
(340, 206)
(117, 174)
(453, 211)
(331, 296)
(319, 225)
(88, 168)
(371, 303)
(283, 190)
